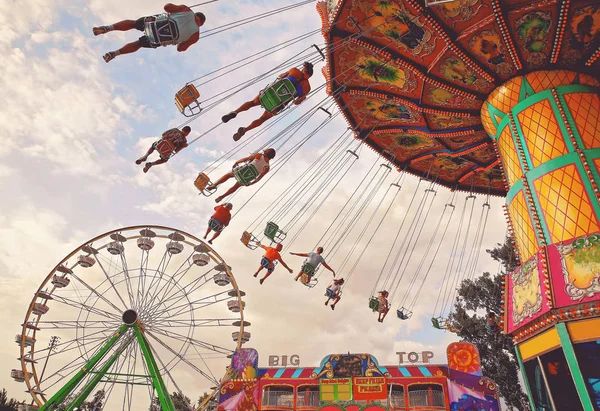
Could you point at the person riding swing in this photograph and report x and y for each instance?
(334, 292)
(247, 171)
(268, 261)
(219, 220)
(291, 85)
(384, 305)
(312, 262)
(178, 26)
(171, 143)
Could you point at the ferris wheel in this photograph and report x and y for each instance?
(135, 313)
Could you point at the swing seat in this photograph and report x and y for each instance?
(202, 183)
(374, 304)
(308, 280)
(246, 173)
(440, 323)
(249, 240)
(161, 31)
(165, 148)
(266, 263)
(215, 225)
(403, 313)
(308, 269)
(277, 95)
(187, 102)
(273, 233)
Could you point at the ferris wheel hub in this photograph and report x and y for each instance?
(130, 317)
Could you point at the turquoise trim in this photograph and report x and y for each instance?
(425, 371)
(297, 373)
(404, 372)
(561, 123)
(525, 380)
(567, 346)
(513, 191)
(279, 372)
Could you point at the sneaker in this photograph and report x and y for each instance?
(147, 167)
(256, 275)
(326, 302)
(109, 56)
(240, 133)
(210, 242)
(262, 280)
(100, 30)
(229, 116)
(333, 307)
(141, 160)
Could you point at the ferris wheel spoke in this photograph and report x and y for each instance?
(72, 365)
(201, 303)
(94, 291)
(185, 291)
(174, 279)
(194, 322)
(185, 338)
(127, 279)
(192, 365)
(72, 324)
(142, 278)
(157, 277)
(85, 307)
(109, 280)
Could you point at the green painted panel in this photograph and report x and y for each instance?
(569, 352)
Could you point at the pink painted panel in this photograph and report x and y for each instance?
(525, 298)
(575, 270)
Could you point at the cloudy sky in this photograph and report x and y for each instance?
(72, 127)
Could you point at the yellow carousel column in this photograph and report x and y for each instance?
(546, 126)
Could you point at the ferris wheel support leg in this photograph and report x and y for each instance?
(89, 387)
(159, 385)
(68, 388)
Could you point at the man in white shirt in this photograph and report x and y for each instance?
(312, 263)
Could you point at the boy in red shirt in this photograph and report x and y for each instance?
(219, 220)
(268, 261)
(300, 80)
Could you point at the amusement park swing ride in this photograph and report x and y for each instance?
(482, 97)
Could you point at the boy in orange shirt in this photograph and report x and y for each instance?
(268, 261)
(219, 220)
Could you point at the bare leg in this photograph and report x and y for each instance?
(248, 105)
(266, 276)
(126, 49)
(130, 48)
(222, 179)
(155, 163)
(327, 302)
(259, 121)
(145, 156)
(207, 231)
(258, 271)
(337, 299)
(217, 233)
(124, 25)
(232, 190)
(298, 276)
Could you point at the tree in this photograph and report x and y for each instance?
(7, 404)
(96, 403)
(180, 401)
(476, 298)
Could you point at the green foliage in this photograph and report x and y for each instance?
(476, 298)
(7, 403)
(96, 403)
(180, 401)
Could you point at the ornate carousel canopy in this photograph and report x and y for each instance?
(411, 79)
